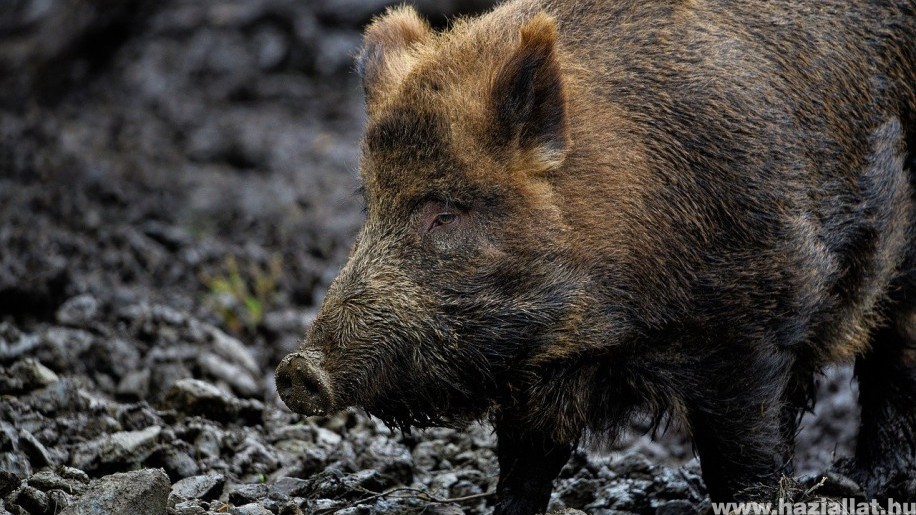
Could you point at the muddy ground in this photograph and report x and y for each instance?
(176, 192)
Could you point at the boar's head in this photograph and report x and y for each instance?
(458, 278)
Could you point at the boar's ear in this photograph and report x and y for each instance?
(528, 97)
(381, 59)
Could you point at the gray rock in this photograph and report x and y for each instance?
(250, 509)
(78, 311)
(142, 492)
(61, 348)
(672, 483)
(134, 417)
(33, 500)
(196, 397)
(8, 482)
(390, 458)
(286, 488)
(114, 356)
(247, 493)
(15, 463)
(254, 456)
(464, 488)
(46, 481)
(24, 376)
(73, 474)
(121, 448)
(208, 442)
(232, 349)
(291, 508)
(205, 487)
(58, 500)
(236, 376)
(188, 508)
(38, 454)
(426, 455)
(178, 463)
(167, 373)
(332, 486)
(14, 344)
(64, 396)
(676, 507)
(130, 446)
(9, 437)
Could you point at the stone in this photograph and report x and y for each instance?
(236, 376)
(73, 474)
(250, 509)
(130, 446)
(285, 488)
(15, 463)
(8, 482)
(196, 397)
(232, 349)
(141, 492)
(247, 493)
(78, 311)
(25, 376)
(208, 442)
(204, 487)
(58, 500)
(252, 455)
(178, 463)
(291, 508)
(47, 480)
(188, 508)
(135, 384)
(38, 454)
(33, 500)
(676, 507)
(390, 458)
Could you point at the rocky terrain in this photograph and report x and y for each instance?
(176, 183)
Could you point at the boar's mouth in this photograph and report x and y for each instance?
(306, 388)
(304, 385)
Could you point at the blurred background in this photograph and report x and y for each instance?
(176, 192)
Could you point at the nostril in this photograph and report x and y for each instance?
(284, 381)
(302, 385)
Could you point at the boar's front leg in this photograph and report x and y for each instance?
(734, 419)
(528, 464)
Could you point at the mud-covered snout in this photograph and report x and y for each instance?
(303, 385)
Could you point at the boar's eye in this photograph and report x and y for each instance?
(442, 219)
(436, 215)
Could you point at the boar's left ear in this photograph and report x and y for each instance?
(381, 60)
(528, 97)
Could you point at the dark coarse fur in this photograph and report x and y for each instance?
(681, 208)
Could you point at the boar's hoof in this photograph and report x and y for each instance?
(303, 385)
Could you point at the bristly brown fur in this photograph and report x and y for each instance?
(675, 208)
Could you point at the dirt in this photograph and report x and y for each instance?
(176, 192)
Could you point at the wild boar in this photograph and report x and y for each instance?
(578, 211)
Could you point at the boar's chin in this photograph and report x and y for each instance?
(406, 418)
(430, 411)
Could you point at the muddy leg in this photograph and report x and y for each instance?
(798, 398)
(528, 464)
(736, 432)
(885, 459)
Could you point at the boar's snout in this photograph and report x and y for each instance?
(303, 385)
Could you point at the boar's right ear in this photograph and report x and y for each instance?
(528, 98)
(381, 59)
